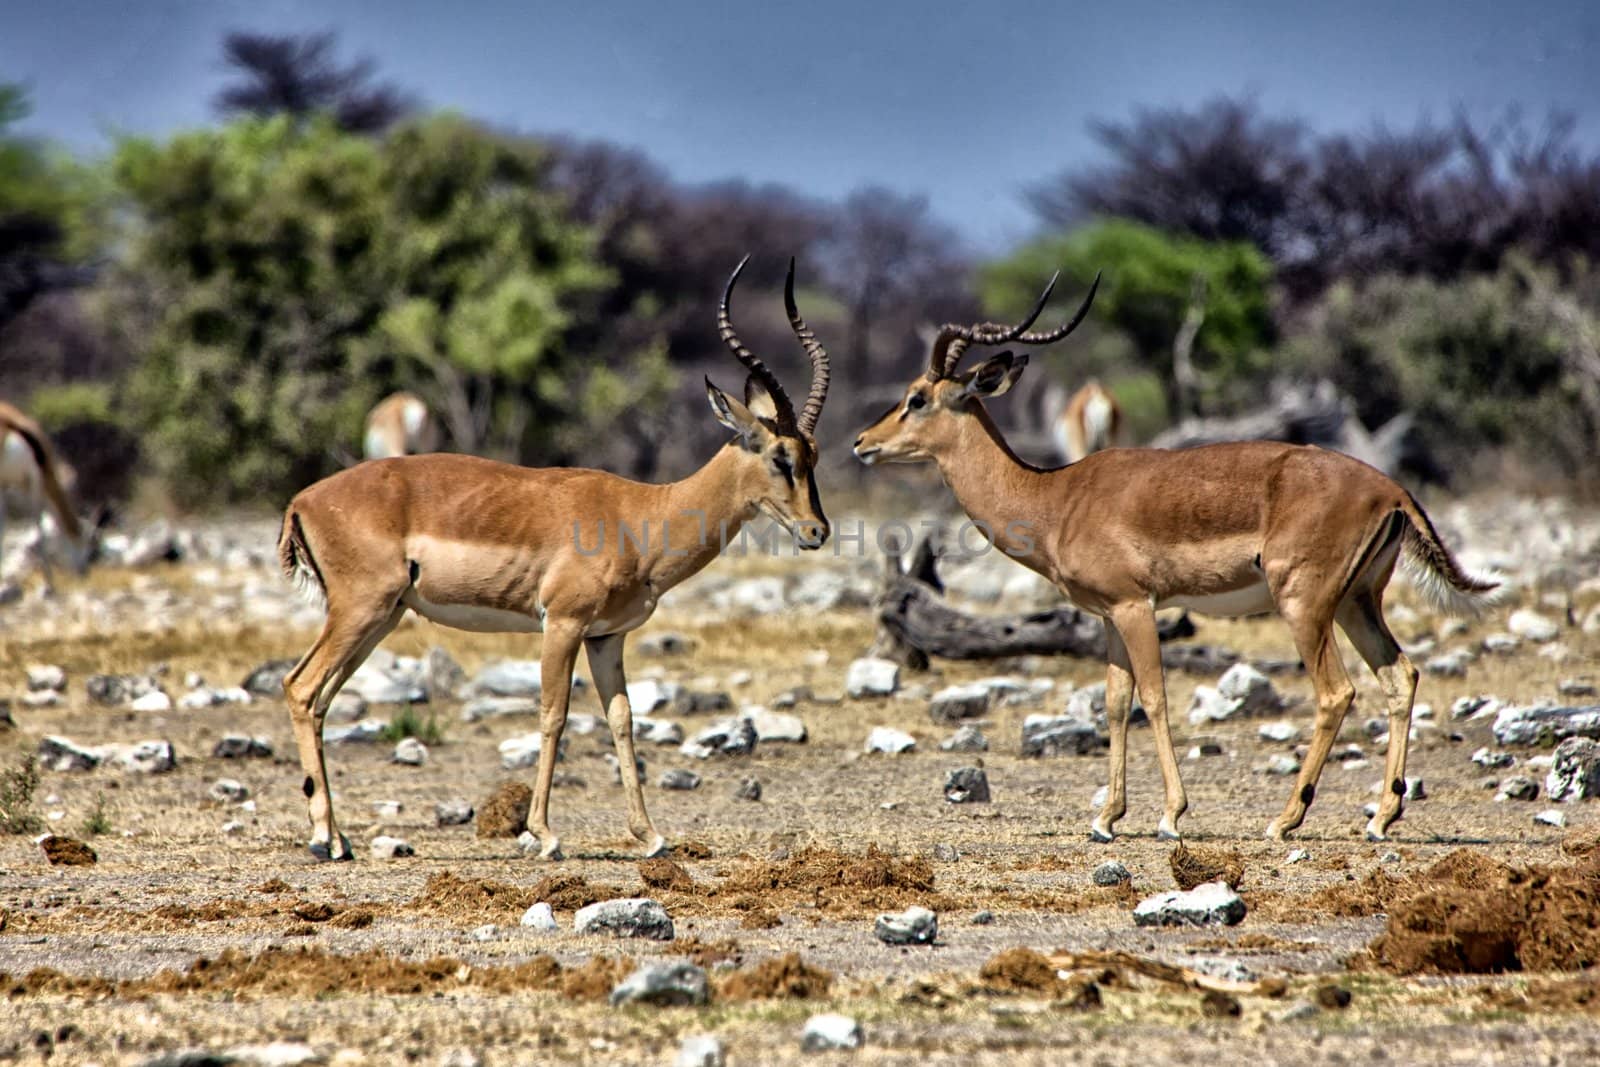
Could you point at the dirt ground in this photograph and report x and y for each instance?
(183, 935)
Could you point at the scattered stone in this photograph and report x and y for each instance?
(456, 811)
(651, 694)
(703, 702)
(829, 1032)
(1278, 731)
(967, 785)
(346, 707)
(1389, 857)
(62, 754)
(481, 708)
(626, 917)
(364, 732)
(872, 678)
(1416, 789)
(444, 675)
(1283, 764)
(387, 809)
(1476, 707)
(1574, 770)
(504, 813)
(385, 847)
(229, 791)
(539, 917)
(267, 679)
(945, 852)
(1204, 905)
(914, 926)
(1576, 687)
(616, 768)
(122, 689)
(751, 596)
(966, 739)
(200, 697)
(46, 677)
(1299, 1011)
(1223, 967)
(1111, 872)
(657, 731)
(982, 918)
(43, 698)
(1490, 760)
(486, 932)
(523, 751)
(152, 701)
(275, 1054)
(242, 746)
(747, 789)
(1298, 855)
(67, 851)
(727, 737)
(411, 752)
(1518, 787)
(1532, 626)
(514, 678)
(889, 740)
(775, 725)
(665, 643)
(1451, 664)
(1501, 644)
(1551, 817)
(957, 702)
(1056, 735)
(146, 757)
(1204, 749)
(679, 779)
(674, 984)
(1545, 725)
(700, 1050)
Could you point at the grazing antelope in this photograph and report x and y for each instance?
(1090, 421)
(582, 555)
(30, 467)
(1229, 529)
(399, 425)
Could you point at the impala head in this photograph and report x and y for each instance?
(927, 421)
(777, 449)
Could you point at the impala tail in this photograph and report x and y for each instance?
(299, 566)
(1434, 571)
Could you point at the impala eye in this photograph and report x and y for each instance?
(780, 463)
(916, 401)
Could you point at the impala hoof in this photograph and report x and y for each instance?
(1164, 834)
(1376, 835)
(658, 847)
(323, 854)
(1101, 837)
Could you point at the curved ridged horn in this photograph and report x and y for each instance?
(814, 350)
(953, 340)
(1046, 337)
(752, 362)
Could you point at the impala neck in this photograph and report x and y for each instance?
(998, 489)
(701, 513)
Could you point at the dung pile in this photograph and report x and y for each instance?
(1197, 866)
(1469, 914)
(781, 977)
(836, 882)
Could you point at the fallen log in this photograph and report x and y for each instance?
(1166, 972)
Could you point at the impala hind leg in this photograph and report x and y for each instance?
(1313, 637)
(1136, 625)
(347, 639)
(1361, 618)
(561, 641)
(1119, 697)
(605, 663)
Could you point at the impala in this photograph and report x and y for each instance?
(1230, 529)
(493, 547)
(399, 425)
(30, 467)
(1090, 421)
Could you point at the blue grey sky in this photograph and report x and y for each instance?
(965, 103)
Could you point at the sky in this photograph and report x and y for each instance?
(968, 104)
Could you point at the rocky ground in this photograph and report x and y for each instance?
(202, 923)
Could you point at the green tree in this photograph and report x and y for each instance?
(289, 274)
(1154, 284)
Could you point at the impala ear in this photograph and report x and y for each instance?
(732, 414)
(759, 400)
(995, 375)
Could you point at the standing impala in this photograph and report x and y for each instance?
(1088, 422)
(399, 425)
(29, 466)
(493, 547)
(1229, 529)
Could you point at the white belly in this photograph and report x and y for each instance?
(18, 471)
(472, 617)
(1251, 600)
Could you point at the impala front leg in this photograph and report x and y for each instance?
(1136, 624)
(561, 642)
(610, 682)
(1119, 698)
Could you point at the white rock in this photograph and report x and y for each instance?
(486, 932)
(1282, 764)
(1501, 644)
(387, 809)
(153, 701)
(657, 731)
(539, 917)
(411, 752)
(375, 685)
(625, 917)
(1204, 905)
(729, 737)
(1574, 770)
(670, 984)
(228, 791)
(966, 739)
(146, 757)
(872, 678)
(1452, 664)
(1532, 626)
(700, 1050)
(480, 708)
(889, 740)
(63, 754)
(649, 694)
(520, 751)
(914, 926)
(828, 1032)
(775, 725)
(1249, 689)
(46, 677)
(385, 847)
(1208, 705)
(276, 1054)
(956, 702)
(1278, 731)
(357, 733)
(1298, 855)
(1551, 817)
